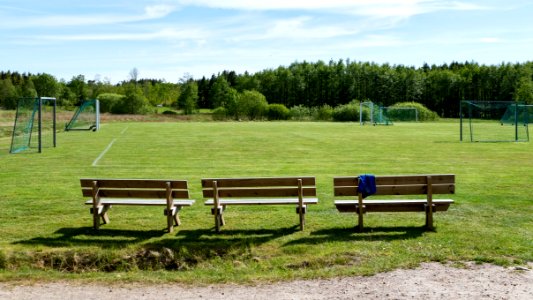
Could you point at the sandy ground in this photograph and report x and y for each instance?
(429, 281)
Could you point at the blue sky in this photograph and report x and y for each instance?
(167, 39)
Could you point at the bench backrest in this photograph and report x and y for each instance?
(398, 185)
(265, 187)
(136, 188)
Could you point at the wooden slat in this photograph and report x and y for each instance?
(258, 182)
(261, 192)
(417, 189)
(274, 201)
(398, 179)
(134, 183)
(142, 202)
(392, 205)
(136, 193)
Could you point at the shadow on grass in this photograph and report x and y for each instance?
(368, 234)
(114, 238)
(208, 238)
(181, 251)
(87, 236)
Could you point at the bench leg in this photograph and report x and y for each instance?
(96, 218)
(219, 219)
(360, 208)
(218, 223)
(100, 212)
(172, 217)
(301, 211)
(360, 213)
(105, 216)
(429, 217)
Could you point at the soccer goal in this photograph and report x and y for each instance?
(401, 114)
(35, 125)
(86, 117)
(375, 114)
(494, 121)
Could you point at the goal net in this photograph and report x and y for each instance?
(517, 114)
(86, 117)
(401, 114)
(494, 121)
(375, 114)
(35, 125)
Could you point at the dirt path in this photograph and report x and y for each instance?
(429, 281)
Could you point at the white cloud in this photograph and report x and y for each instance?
(149, 13)
(158, 11)
(298, 28)
(370, 8)
(163, 34)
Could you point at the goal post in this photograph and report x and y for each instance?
(376, 113)
(35, 124)
(86, 117)
(494, 121)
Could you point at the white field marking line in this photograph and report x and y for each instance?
(95, 162)
(103, 153)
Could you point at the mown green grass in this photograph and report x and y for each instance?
(46, 230)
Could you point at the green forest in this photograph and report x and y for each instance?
(301, 84)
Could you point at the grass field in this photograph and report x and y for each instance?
(46, 230)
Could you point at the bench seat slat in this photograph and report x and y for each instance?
(392, 205)
(260, 192)
(159, 202)
(134, 183)
(255, 201)
(410, 189)
(136, 193)
(258, 181)
(398, 179)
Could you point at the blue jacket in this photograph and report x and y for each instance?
(367, 185)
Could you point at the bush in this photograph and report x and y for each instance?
(108, 101)
(300, 113)
(323, 113)
(132, 103)
(252, 104)
(346, 113)
(220, 114)
(424, 114)
(278, 112)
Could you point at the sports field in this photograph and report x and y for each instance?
(46, 230)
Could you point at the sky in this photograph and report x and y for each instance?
(173, 39)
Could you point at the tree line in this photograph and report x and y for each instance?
(309, 84)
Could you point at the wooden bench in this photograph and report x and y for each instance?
(221, 192)
(396, 185)
(145, 192)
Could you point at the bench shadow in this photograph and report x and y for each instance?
(115, 238)
(368, 234)
(87, 236)
(209, 239)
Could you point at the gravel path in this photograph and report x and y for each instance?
(429, 281)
